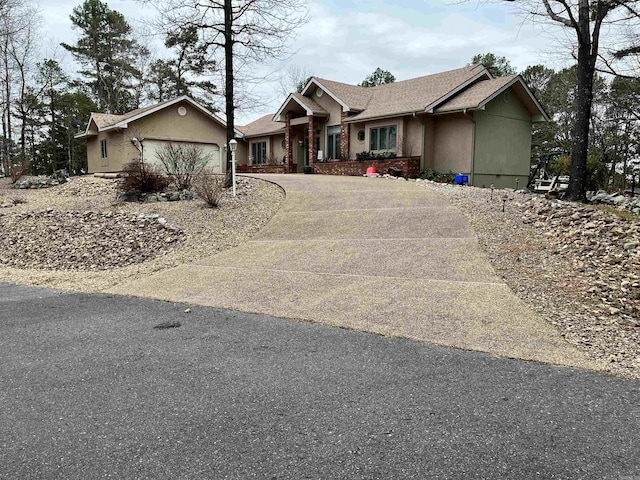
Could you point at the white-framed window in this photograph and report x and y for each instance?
(383, 138)
(259, 153)
(333, 142)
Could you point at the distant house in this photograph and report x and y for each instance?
(460, 121)
(114, 140)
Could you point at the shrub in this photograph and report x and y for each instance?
(182, 163)
(17, 171)
(375, 156)
(142, 177)
(431, 174)
(209, 186)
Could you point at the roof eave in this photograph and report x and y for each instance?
(433, 105)
(518, 79)
(382, 117)
(345, 107)
(278, 115)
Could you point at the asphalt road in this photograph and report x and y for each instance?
(89, 390)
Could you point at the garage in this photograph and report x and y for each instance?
(151, 147)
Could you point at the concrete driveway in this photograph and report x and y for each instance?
(375, 255)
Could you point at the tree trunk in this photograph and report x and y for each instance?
(585, 69)
(228, 85)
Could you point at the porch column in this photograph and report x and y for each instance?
(312, 143)
(288, 141)
(344, 137)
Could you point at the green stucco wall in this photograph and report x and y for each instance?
(502, 144)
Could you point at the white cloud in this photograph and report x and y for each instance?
(346, 40)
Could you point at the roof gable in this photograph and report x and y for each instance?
(307, 104)
(420, 94)
(105, 121)
(481, 93)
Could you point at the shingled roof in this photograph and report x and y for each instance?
(262, 126)
(418, 94)
(107, 121)
(480, 93)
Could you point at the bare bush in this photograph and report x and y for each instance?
(16, 200)
(17, 172)
(209, 186)
(142, 177)
(182, 163)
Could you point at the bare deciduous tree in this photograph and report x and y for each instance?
(584, 19)
(237, 34)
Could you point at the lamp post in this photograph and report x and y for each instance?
(233, 144)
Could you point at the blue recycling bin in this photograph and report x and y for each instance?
(462, 179)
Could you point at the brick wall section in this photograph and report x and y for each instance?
(409, 166)
(312, 142)
(344, 137)
(288, 140)
(263, 169)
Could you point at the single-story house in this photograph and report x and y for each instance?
(114, 140)
(460, 121)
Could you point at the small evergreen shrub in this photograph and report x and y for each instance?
(362, 156)
(431, 174)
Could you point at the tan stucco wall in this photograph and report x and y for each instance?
(410, 143)
(335, 117)
(428, 131)
(113, 162)
(452, 143)
(502, 143)
(356, 146)
(165, 124)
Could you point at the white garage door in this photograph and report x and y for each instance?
(151, 147)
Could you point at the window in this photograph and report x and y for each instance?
(383, 138)
(259, 153)
(333, 142)
(103, 149)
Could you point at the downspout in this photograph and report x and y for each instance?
(473, 146)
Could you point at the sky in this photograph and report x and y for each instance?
(346, 40)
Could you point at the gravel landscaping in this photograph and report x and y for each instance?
(577, 265)
(77, 236)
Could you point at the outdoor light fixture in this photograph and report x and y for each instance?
(233, 144)
(504, 201)
(517, 183)
(492, 187)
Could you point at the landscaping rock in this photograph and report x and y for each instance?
(577, 265)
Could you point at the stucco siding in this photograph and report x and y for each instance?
(113, 161)
(410, 143)
(355, 145)
(502, 143)
(331, 106)
(164, 125)
(426, 156)
(452, 144)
